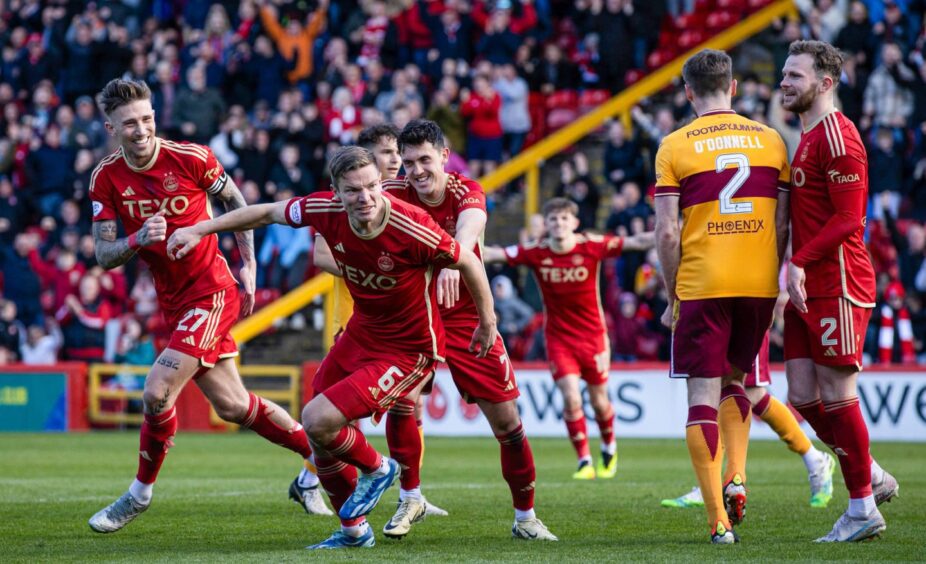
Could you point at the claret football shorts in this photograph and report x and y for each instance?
(832, 332)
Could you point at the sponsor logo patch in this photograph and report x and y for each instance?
(295, 213)
(97, 208)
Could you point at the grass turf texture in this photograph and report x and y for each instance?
(223, 498)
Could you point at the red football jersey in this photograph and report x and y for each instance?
(178, 180)
(569, 284)
(831, 160)
(461, 194)
(389, 273)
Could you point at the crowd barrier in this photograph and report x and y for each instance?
(647, 404)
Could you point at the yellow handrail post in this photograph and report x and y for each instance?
(328, 331)
(531, 194)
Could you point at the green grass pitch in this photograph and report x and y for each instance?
(223, 498)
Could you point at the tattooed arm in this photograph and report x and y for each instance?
(112, 252)
(231, 197)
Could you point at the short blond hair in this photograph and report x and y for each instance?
(347, 159)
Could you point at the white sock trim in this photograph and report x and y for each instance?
(141, 492)
(520, 515)
(862, 507)
(307, 479)
(812, 459)
(356, 530)
(414, 493)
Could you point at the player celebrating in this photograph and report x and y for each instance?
(723, 172)
(831, 282)
(383, 142)
(820, 466)
(154, 186)
(458, 204)
(388, 251)
(567, 267)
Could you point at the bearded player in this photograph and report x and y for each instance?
(388, 252)
(831, 282)
(567, 266)
(458, 205)
(383, 141)
(153, 186)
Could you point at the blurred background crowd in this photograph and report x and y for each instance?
(273, 86)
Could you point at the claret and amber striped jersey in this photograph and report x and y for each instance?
(726, 171)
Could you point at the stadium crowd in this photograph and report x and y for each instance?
(272, 87)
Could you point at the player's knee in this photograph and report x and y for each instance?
(156, 396)
(318, 425)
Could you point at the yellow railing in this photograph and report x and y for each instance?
(528, 163)
(99, 373)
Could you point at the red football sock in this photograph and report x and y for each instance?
(820, 422)
(578, 433)
(157, 433)
(606, 427)
(404, 442)
(338, 480)
(852, 445)
(258, 419)
(518, 467)
(351, 446)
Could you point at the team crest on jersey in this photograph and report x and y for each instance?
(450, 226)
(170, 182)
(804, 153)
(577, 260)
(385, 263)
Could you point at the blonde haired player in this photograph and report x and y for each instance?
(724, 173)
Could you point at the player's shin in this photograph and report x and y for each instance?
(576, 426)
(404, 440)
(735, 419)
(777, 416)
(706, 450)
(351, 446)
(518, 467)
(272, 423)
(338, 479)
(157, 433)
(852, 446)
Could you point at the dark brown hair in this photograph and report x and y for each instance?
(827, 60)
(556, 205)
(708, 72)
(118, 93)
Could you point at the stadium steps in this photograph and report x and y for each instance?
(285, 345)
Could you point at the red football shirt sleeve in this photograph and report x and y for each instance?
(846, 172)
(212, 178)
(101, 200)
(295, 212)
(848, 218)
(468, 196)
(612, 246)
(516, 255)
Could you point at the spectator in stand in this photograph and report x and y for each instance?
(886, 168)
(20, 282)
(514, 113)
(49, 171)
(80, 61)
(403, 92)
(627, 329)
(114, 288)
(135, 345)
(83, 319)
(829, 17)
(452, 31)
(38, 347)
(198, 109)
(295, 42)
(499, 43)
(284, 253)
(577, 185)
(613, 22)
(11, 212)
(267, 70)
(35, 64)
(88, 127)
(910, 250)
(290, 174)
(484, 129)
(895, 332)
(256, 158)
(144, 296)
(344, 120)
(61, 277)
(888, 99)
(894, 27)
(11, 329)
(229, 141)
(372, 36)
(513, 313)
(857, 37)
(113, 51)
(556, 72)
(164, 94)
(445, 112)
(623, 161)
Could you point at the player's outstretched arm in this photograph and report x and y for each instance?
(640, 241)
(474, 276)
(494, 254)
(324, 258)
(185, 239)
(668, 248)
(231, 196)
(112, 252)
